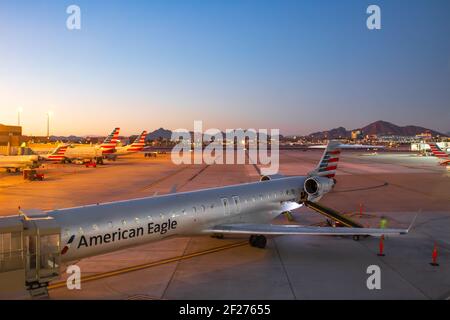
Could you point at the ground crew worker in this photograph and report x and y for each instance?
(383, 222)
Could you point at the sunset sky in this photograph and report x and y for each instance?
(299, 66)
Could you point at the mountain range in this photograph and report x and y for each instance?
(379, 128)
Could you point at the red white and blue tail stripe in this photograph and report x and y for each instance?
(58, 154)
(440, 154)
(437, 152)
(329, 161)
(109, 145)
(139, 143)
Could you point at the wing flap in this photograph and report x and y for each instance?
(271, 229)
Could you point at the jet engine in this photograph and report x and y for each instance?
(271, 177)
(318, 186)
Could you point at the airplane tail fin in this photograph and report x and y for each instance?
(139, 143)
(437, 151)
(58, 154)
(329, 161)
(109, 144)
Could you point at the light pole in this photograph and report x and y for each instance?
(19, 111)
(49, 114)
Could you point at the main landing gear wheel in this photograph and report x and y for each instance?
(258, 241)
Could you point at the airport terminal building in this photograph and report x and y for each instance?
(10, 136)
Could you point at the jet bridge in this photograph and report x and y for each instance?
(29, 252)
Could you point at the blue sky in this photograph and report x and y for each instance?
(299, 66)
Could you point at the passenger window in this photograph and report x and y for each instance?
(110, 224)
(203, 208)
(124, 222)
(236, 204)
(94, 227)
(136, 220)
(80, 230)
(225, 205)
(194, 210)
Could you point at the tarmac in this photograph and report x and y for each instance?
(393, 185)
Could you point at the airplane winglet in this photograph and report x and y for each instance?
(413, 222)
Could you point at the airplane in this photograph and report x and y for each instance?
(237, 209)
(81, 154)
(439, 153)
(19, 162)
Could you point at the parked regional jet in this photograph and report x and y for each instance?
(238, 209)
(439, 153)
(18, 162)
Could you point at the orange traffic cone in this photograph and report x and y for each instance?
(434, 256)
(381, 253)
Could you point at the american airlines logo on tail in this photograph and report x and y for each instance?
(58, 153)
(328, 164)
(438, 152)
(109, 145)
(139, 143)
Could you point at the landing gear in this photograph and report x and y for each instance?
(217, 236)
(258, 241)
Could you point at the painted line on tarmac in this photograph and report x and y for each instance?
(163, 178)
(121, 271)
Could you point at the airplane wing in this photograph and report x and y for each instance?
(271, 229)
(349, 146)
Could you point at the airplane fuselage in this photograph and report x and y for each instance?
(97, 229)
(18, 161)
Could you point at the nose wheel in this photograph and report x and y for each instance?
(258, 241)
